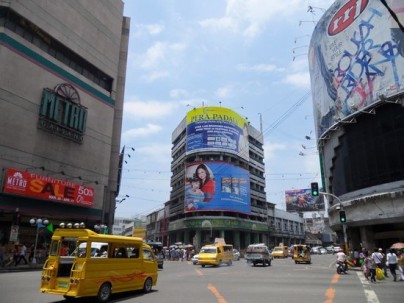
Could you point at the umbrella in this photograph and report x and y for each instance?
(398, 245)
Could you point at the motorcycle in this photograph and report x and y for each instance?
(342, 267)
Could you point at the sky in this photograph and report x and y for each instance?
(246, 55)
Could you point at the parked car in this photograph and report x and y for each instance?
(323, 251)
(336, 249)
(194, 259)
(315, 250)
(236, 255)
(330, 249)
(258, 253)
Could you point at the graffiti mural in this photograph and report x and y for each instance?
(356, 57)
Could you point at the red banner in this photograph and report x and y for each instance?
(43, 187)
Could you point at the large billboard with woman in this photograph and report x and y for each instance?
(356, 58)
(217, 129)
(216, 186)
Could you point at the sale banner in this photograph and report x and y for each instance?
(43, 187)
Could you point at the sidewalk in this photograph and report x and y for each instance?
(21, 267)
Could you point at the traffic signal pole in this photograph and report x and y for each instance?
(344, 225)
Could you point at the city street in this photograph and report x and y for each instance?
(282, 282)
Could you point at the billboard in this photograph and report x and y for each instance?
(356, 56)
(43, 187)
(221, 186)
(217, 129)
(302, 200)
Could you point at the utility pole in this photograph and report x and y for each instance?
(344, 225)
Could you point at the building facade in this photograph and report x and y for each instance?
(357, 74)
(63, 67)
(218, 182)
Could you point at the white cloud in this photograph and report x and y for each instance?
(148, 109)
(262, 68)
(155, 75)
(225, 91)
(270, 150)
(160, 52)
(301, 80)
(148, 130)
(160, 153)
(147, 29)
(249, 17)
(178, 93)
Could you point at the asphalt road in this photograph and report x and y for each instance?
(182, 282)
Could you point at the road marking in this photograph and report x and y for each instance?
(199, 272)
(216, 293)
(330, 292)
(370, 294)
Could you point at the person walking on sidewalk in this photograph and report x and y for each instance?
(391, 260)
(23, 252)
(400, 262)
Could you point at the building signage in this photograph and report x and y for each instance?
(302, 200)
(62, 114)
(217, 186)
(356, 59)
(43, 187)
(217, 129)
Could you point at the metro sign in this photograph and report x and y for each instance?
(346, 16)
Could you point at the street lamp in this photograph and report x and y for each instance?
(38, 222)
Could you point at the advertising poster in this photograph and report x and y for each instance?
(217, 129)
(302, 200)
(217, 186)
(43, 187)
(356, 59)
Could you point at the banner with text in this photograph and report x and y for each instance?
(217, 186)
(43, 187)
(217, 129)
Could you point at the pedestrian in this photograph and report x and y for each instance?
(365, 265)
(16, 254)
(23, 252)
(383, 264)
(391, 260)
(378, 257)
(371, 264)
(31, 253)
(401, 264)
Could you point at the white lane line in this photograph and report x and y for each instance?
(370, 295)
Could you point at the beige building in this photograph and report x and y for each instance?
(62, 79)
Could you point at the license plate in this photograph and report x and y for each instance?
(63, 284)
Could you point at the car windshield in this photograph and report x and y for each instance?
(256, 249)
(208, 250)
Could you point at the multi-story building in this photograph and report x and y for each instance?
(357, 75)
(218, 183)
(62, 77)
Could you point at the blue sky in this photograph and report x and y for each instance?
(247, 55)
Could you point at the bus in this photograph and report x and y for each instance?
(216, 254)
(83, 263)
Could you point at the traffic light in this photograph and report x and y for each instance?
(342, 217)
(314, 189)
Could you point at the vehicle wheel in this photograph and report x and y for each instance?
(295, 262)
(203, 265)
(148, 284)
(269, 262)
(254, 263)
(339, 270)
(104, 293)
(230, 263)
